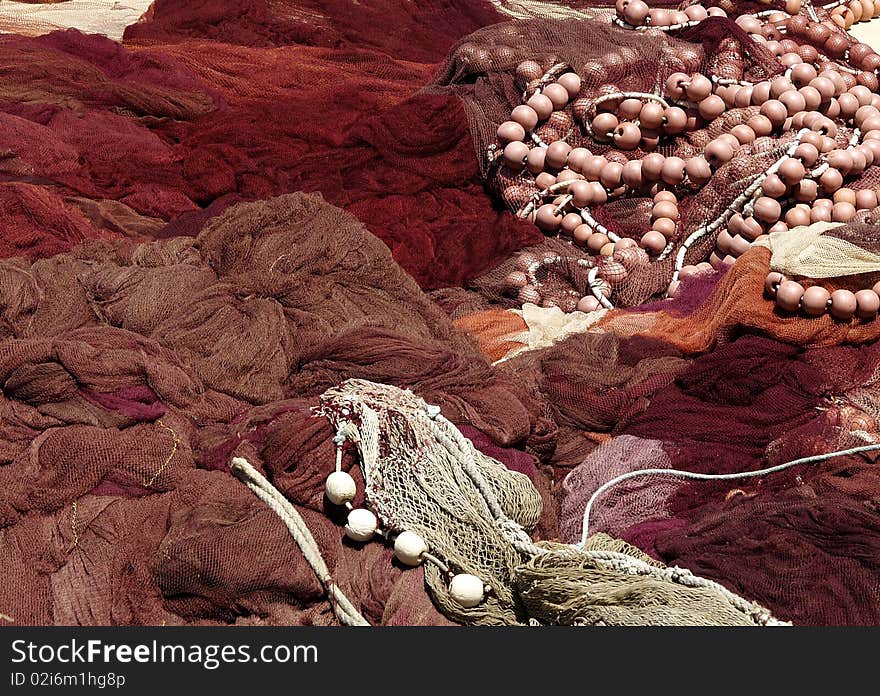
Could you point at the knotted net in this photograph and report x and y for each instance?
(482, 69)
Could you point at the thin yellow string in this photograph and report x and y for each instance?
(73, 526)
(149, 484)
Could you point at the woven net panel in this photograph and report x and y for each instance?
(482, 69)
(414, 484)
(638, 601)
(862, 234)
(629, 503)
(737, 304)
(174, 126)
(566, 280)
(34, 17)
(748, 404)
(420, 32)
(794, 544)
(131, 374)
(593, 380)
(421, 476)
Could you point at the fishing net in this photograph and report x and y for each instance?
(174, 126)
(485, 70)
(824, 251)
(422, 476)
(131, 374)
(33, 17)
(738, 304)
(490, 90)
(171, 315)
(751, 403)
(791, 533)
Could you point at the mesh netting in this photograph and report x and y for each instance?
(472, 514)
(32, 17)
(415, 483)
(132, 373)
(736, 304)
(160, 135)
(164, 308)
(635, 501)
(640, 601)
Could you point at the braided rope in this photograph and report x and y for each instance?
(343, 608)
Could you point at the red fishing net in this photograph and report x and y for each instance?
(506, 67)
(132, 373)
(179, 132)
(167, 303)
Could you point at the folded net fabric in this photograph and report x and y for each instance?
(106, 17)
(737, 302)
(492, 70)
(165, 136)
(133, 374)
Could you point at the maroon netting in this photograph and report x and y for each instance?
(132, 373)
(812, 558)
(420, 32)
(133, 369)
(750, 404)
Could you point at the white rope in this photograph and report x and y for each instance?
(588, 218)
(596, 289)
(710, 477)
(265, 491)
(645, 27)
(629, 95)
(749, 194)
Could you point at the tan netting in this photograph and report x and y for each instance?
(553, 585)
(107, 17)
(422, 475)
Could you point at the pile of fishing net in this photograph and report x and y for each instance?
(132, 373)
(190, 347)
(153, 138)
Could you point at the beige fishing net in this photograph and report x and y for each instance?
(107, 17)
(422, 475)
(575, 589)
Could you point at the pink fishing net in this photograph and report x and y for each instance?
(130, 376)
